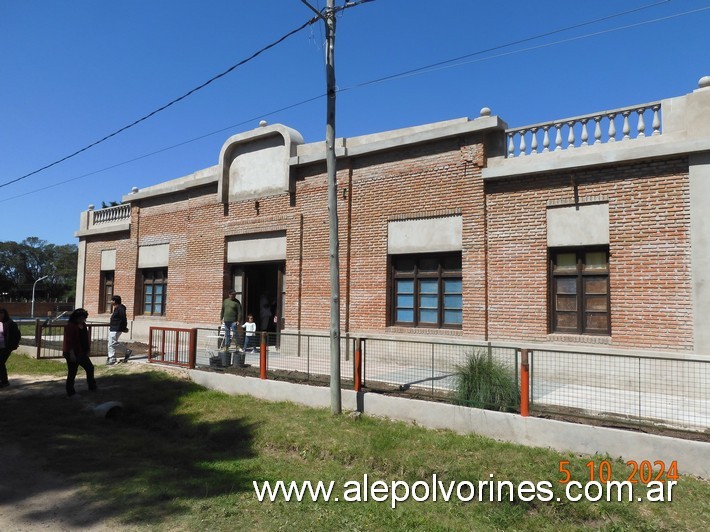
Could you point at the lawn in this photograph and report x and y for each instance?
(181, 457)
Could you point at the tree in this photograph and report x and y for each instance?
(21, 264)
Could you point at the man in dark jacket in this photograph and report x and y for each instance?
(231, 315)
(117, 325)
(9, 341)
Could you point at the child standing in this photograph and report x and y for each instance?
(250, 332)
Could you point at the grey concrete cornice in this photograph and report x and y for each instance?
(390, 140)
(200, 178)
(588, 156)
(103, 229)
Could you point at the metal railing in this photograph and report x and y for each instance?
(616, 388)
(426, 368)
(172, 346)
(673, 392)
(49, 338)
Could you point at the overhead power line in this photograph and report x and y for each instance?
(169, 104)
(450, 63)
(458, 61)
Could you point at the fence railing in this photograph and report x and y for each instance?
(626, 123)
(172, 346)
(107, 215)
(632, 389)
(667, 391)
(48, 336)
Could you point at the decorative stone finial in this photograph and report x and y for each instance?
(486, 111)
(263, 123)
(134, 190)
(91, 207)
(704, 82)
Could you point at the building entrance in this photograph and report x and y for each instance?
(261, 294)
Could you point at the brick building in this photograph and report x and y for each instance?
(590, 231)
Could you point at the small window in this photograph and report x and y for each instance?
(427, 290)
(106, 292)
(155, 292)
(580, 291)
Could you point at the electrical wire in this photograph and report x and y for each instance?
(167, 148)
(450, 63)
(169, 104)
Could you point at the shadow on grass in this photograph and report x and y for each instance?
(138, 466)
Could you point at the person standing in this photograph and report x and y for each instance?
(118, 324)
(9, 341)
(76, 349)
(264, 312)
(249, 333)
(231, 315)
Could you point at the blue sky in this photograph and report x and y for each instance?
(73, 72)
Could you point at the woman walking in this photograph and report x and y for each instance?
(76, 348)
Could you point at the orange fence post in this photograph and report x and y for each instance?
(357, 378)
(262, 357)
(524, 383)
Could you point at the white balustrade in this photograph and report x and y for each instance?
(524, 140)
(119, 213)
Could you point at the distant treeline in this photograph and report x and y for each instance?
(23, 263)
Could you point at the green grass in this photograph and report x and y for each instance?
(181, 457)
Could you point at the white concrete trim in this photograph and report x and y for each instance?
(108, 259)
(153, 256)
(578, 225)
(103, 229)
(699, 174)
(593, 156)
(425, 235)
(262, 247)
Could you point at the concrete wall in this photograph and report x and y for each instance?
(700, 243)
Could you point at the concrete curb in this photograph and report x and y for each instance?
(693, 457)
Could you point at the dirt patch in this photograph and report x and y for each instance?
(34, 499)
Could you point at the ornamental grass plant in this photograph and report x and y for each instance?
(484, 382)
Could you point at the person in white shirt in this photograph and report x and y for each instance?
(250, 333)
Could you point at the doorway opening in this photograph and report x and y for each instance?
(261, 294)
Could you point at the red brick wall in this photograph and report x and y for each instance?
(504, 241)
(649, 224)
(373, 190)
(125, 272)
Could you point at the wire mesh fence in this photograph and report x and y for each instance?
(673, 392)
(664, 391)
(436, 370)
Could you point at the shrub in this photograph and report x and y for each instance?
(483, 382)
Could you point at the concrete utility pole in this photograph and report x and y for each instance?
(335, 399)
(328, 16)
